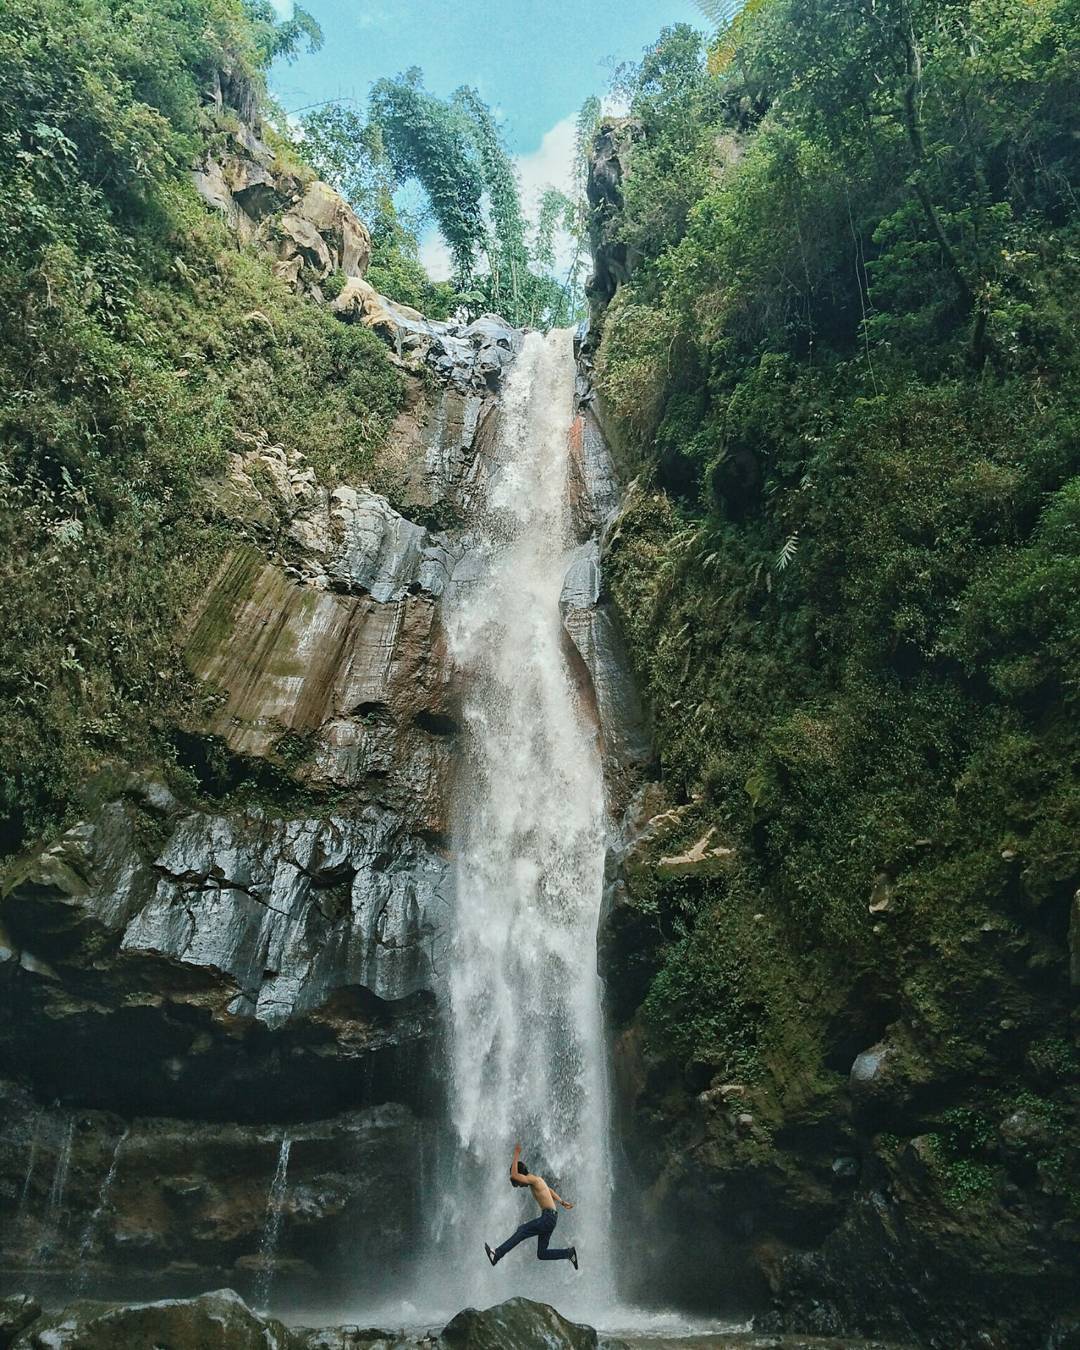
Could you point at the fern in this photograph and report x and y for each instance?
(786, 556)
(729, 17)
(721, 13)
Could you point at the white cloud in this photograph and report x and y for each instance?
(436, 257)
(374, 16)
(551, 164)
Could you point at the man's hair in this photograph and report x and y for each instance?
(522, 1167)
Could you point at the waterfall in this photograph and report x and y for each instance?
(54, 1212)
(90, 1232)
(527, 1058)
(22, 1214)
(275, 1212)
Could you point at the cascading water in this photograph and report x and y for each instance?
(93, 1224)
(275, 1212)
(526, 1042)
(23, 1213)
(54, 1214)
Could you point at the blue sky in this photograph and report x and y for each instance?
(534, 63)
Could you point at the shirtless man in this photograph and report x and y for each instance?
(543, 1225)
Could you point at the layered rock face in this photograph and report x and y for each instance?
(178, 969)
(597, 648)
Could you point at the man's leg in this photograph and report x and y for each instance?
(544, 1253)
(527, 1230)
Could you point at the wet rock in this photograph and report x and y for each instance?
(347, 1338)
(355, 541)
(187, 1202)
(217, 1321)
(517, 1324)
(870, 1069)
(17, 1312)
(322, 930)
(594, 630)
(611, 154)
(593, 485)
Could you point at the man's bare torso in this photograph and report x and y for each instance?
(542, 1193)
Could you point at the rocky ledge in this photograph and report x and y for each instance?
(222, 1321)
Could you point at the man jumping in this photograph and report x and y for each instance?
(543, 1225)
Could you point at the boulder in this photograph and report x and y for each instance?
(323, 214)
(348, 1338)
(217, 1321)
(517, 1324)
(17, 1312)
(465, 356)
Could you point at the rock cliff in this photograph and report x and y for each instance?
(191, 972)
(207, 966)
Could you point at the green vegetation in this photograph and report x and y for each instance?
(454, 149)
(137, 340)
(847, 356)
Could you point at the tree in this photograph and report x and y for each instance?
(425, 139)
(454, 149)
(281, 38)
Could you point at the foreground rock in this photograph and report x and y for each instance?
(218, 1321)
(517, 1324)
(16, 1313)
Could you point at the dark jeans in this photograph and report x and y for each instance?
(540, 1228)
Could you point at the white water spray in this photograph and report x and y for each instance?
(526, 1034)
(275, 1212)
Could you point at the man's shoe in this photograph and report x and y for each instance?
(573, 1257)
(493, 1258)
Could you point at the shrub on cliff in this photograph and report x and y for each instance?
(849, 355)
(137, 337)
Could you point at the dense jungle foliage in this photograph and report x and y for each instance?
(848, 357)
(138, 338)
